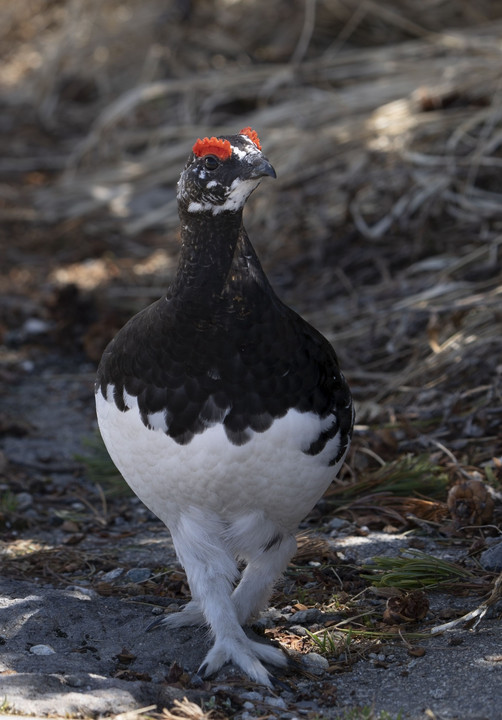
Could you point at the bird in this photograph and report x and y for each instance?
(224, 410)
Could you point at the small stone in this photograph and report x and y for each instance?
(307, 617)
(42, 650)
(268, 619)
(248, 705)
(76, 681)
(24, 500)
(138, 575)
(85, 592)
(277, 702)
(252, 695)
(28, 366)
(315, 663)
(263, 623)
(337, 523)
(298, 630)
(112, 575)
(491, 559)
(35, 326)
(70, 526)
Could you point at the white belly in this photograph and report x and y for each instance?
(270, 473)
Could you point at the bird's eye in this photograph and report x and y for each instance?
(211, 162)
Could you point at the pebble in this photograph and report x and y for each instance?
(252, 695)
(298, 630)
(491, 559)
(338, 523)
(306, 617)
(305, 705)
(276, 702)
(315, 663)
(248, 705)
(87, 593)
(269, 619)
(377, 656)
(24, 500)
(76, 681)
(138, 575)
(35, 326)
(28, 366)
(42, 650)
(112, 575)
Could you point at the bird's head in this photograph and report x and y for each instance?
(222, 172)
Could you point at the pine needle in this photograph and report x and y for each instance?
(413, 569)
(409, 475)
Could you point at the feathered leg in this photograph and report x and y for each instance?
(211, 571)
(252, 594)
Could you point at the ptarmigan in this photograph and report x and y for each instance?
(223, 409)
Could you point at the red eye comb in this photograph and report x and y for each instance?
(252, 135)
(213, 146)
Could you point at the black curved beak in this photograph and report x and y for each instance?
(260, 167)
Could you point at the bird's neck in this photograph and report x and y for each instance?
(208, 245)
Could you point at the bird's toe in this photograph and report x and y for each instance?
(269, 654)
(243, 655)
(190, 615)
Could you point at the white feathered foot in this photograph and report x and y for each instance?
(212, 570)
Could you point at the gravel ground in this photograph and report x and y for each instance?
(67, 650)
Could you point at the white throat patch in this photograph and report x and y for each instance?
(240, 190)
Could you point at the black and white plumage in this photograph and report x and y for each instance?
(223, 409)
